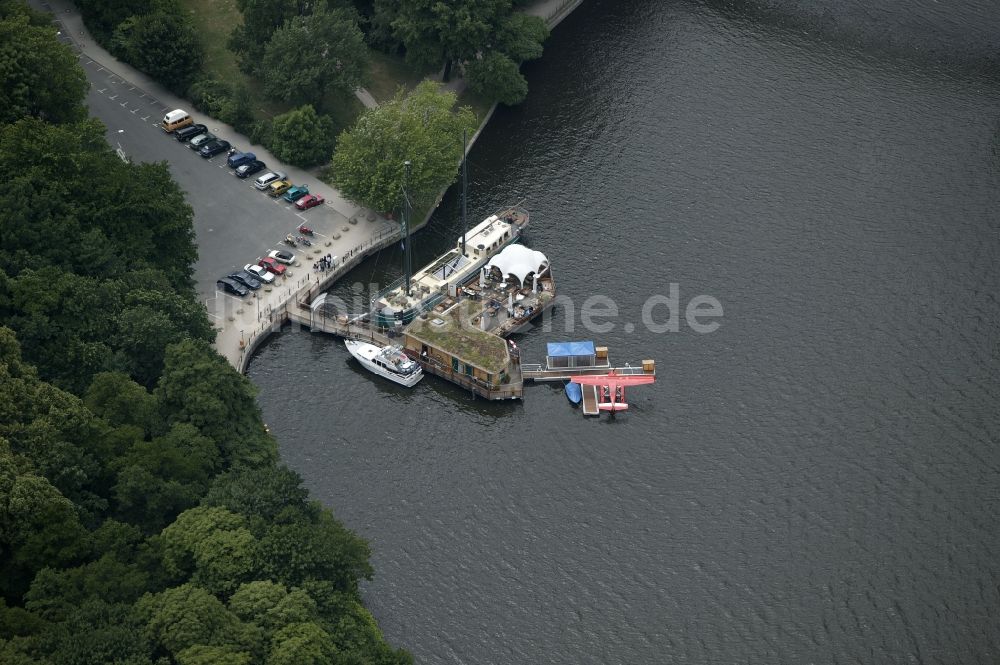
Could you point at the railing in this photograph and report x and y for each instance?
(477, 386)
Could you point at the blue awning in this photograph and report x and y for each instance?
(568, 349)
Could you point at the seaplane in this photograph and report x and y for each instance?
(610, 388)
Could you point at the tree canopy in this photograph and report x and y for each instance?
(311, 55)
(161, 44)
(436, 33)
(495, 76)
(423, 127)
(38, 75)
(487, 37)
(143, 517)
(302, 137)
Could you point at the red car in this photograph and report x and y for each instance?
(309, 201)
(272, 265)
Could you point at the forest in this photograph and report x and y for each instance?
(144, 514)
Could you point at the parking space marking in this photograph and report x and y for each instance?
(134, 110)
(132, 88)
(239, 300)
(123, 104)
(112, 97)
(100, 69)
(145, 118)
(102, 90)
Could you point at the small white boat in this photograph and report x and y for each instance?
(388, 361)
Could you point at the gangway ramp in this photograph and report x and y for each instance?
(590, 401)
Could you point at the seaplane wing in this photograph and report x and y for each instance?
(614, 380)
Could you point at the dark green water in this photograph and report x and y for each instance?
(816, 481)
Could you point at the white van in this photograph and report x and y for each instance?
(176, 119)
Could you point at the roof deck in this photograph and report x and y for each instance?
(450, 332)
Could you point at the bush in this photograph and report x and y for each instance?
(302, 137)
(232, 105)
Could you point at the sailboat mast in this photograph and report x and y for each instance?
(465, 178)
(407, 263)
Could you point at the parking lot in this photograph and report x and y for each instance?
(234, 222)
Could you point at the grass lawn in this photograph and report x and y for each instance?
(215, 20)
(388, 72)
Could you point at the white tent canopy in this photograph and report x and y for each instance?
(519, 261)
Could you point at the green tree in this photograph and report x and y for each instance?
(301, 644)
(213, 545)
(119, 400)
(206, 655)
(260, 19)
(38, 525)
(436, 33)
(199, 387)
(497, 77)
(163, 45)
(520, 37)
(39, 77)
(322, 550)
(95, 633)
(312, 55)
(187, 616)
(302, 137)
(56, 593)
(111, 218)
(102, 16)
(263, 495)
(423, 128)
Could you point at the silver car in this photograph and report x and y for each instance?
(200, 140)
(262, 182)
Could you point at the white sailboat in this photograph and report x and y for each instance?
(387, 361)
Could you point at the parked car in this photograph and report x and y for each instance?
(176, 119)
(201, 140)
(249, 169)
(189, 132)
(279, 187)
(229, 286)
(295, 193)
(244, 278)
(272, 265)
(259, 273)
(309, 201)
(238, 159)
(213, 148)
(282, 256)
(263, 181)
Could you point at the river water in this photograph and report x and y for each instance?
(815, 481)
